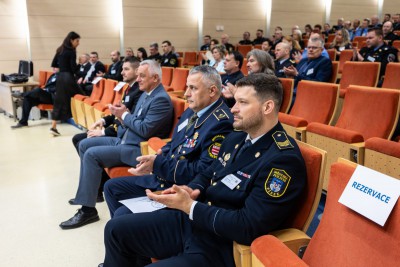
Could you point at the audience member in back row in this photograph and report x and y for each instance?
(114, 71)
(96, 67)
(225, 41)
(168, 59)
(258, 61)
(141, 54)
(205, 217)
(206, 43)
(246, 39)
(154, 54)
(259, 37)
(313, 68)
(388, 36)
(66, 87)
(152, 116)
(129, 52)
(232, 67)
(282, 59)
(108, 125)
(376, 50)
(341, 42)
(218, 53)
(35, 97)
(83, 67)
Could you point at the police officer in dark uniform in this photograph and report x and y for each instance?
(388, 36)
(195, 143)
(114, 71)
(110, 123)
(282, 54)
(250, 190)
(154, 55)
(168, 59)
(376, 50)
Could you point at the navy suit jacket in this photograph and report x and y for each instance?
(97, 67)
(319, 69)
(271, 175)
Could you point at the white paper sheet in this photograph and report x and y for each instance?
(142, 204)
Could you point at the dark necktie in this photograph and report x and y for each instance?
(243, 148)
(191, 121)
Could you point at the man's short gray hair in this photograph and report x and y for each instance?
(154, 67)
(210, 76)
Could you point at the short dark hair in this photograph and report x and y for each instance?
(167, 42)
(318, 26)
(237, 56)
(94, 53)
(259, 30)
(208, 36)
(378, 31)
(133, 60)
(267, 87)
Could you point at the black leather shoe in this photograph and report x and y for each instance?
(80, 219)
(19, 125)
(98, 200)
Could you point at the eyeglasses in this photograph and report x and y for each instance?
(313, 47)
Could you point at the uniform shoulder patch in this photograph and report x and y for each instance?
(220, 114)
(277, 182)
(215, 146)
(281, 140)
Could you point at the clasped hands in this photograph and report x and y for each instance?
(118, 110)
(177, 197)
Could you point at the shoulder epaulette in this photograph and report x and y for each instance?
(281, 140)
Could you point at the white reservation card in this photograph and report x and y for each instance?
(96, 80)
(371, 193)
(119, 86)
(142, 204)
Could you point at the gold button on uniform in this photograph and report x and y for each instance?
(162, 185)
(214, 184)
(238, 187)
(209, 203)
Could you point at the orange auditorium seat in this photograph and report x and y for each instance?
(396, 43)
(335, 71)
(106, 98)
(359, 40)
(287, 84)
(315, 102)
(166, 76)
(383, 156)
(178, 82)
(190, 59)
(367, 112)
(392, 76)
(244, 49)
(244, 67)
(332, 53)
(343, 237)
(345, 55)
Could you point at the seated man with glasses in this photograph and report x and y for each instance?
(313, 68)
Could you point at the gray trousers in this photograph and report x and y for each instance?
(95, 154)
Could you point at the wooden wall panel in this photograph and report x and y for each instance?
(13, 45)
(51, 20)
(354, 9)
(291, 12)
(155, 21)
(391, 7)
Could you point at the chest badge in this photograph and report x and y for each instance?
(257, 154)
(227, 157)
(196, 135)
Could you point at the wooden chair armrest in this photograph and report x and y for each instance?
(294, 239)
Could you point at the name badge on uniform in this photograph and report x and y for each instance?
(310, 71)
(166, 60)
(231, 181)
(113, 72)
(183, 125)
(127, 98)
(341, 48)
(372, 59)
(81, 69)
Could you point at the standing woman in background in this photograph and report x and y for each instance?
(65, 62)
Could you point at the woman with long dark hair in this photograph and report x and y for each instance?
(65, 62)
(141, 54)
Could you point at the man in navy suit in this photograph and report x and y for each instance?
(195, 143)
(152, 116)
(250, 190)
(96, 67)
(313, 68)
